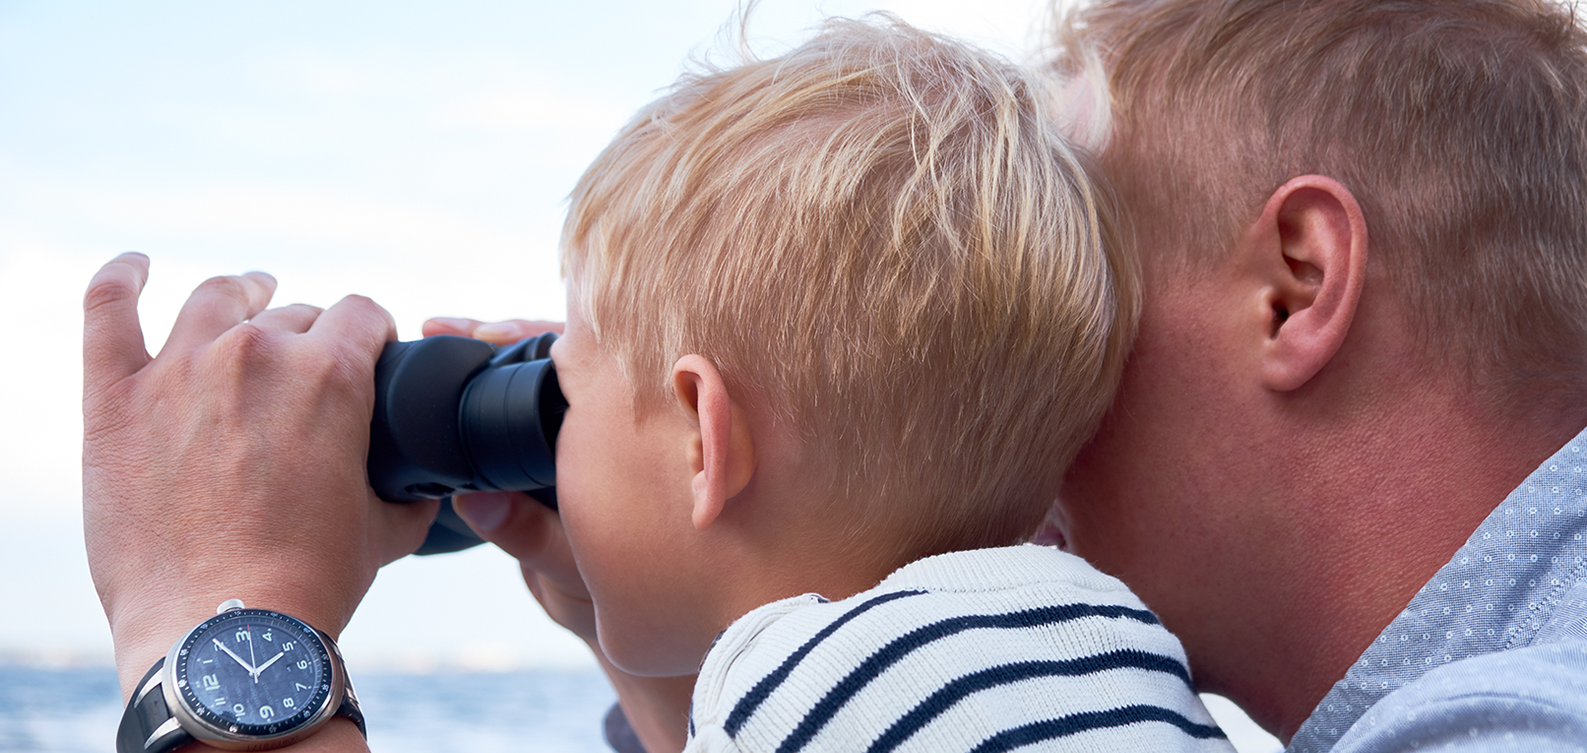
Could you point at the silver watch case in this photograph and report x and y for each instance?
(228, 736)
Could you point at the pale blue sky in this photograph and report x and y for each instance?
(414, 152)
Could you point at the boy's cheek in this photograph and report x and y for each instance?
(645, 613)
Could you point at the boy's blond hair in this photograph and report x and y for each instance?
(880, 236)
(1459, 125)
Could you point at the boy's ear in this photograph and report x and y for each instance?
(1309, 249)
(721, 453)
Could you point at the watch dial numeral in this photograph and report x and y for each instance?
(254, 688)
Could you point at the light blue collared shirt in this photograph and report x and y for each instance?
(1491, 654)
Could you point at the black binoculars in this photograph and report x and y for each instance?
(455, 415)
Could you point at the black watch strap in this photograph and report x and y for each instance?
(148, 725)
(349, 707)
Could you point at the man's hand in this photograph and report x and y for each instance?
(233, 464)
(657, 707)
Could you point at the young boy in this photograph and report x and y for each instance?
(837, 322)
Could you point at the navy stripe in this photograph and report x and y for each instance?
(894, 652)
(1008, 674)
(1073, 724)
(758, 694)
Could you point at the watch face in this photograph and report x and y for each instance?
(253, 673)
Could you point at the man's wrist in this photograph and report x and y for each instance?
(142, 634)
(339, 735)
(194, 697)
(142, 638)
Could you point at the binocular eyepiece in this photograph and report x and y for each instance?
(455, 415)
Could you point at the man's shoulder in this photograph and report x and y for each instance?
(955, 650)
(1532, 699)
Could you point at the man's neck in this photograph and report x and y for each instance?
(1384, 513)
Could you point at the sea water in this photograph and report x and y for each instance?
(557, 710)
(77, 710)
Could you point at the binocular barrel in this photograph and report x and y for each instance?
(455, 415)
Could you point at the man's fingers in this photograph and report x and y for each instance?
(358, 318)
(495, 333)
(513, 330)
(217, 305)
(296, 318)
(449, 325)
(112, 337)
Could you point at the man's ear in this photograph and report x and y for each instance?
(1309, 249)
(721, 452)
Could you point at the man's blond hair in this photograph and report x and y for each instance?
(881, 236)
(1459, 125)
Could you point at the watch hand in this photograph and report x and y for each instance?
(267, 664)
(222, 646)
(251, 658)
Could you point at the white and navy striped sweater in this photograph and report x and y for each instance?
(990, 650)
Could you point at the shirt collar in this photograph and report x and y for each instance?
(1499, 592)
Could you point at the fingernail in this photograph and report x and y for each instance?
(453, 322)
(496, 331)
(485, 511)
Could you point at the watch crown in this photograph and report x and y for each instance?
(228, 605)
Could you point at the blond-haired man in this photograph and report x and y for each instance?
(1345, 463)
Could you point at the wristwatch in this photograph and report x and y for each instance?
(245, 679)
